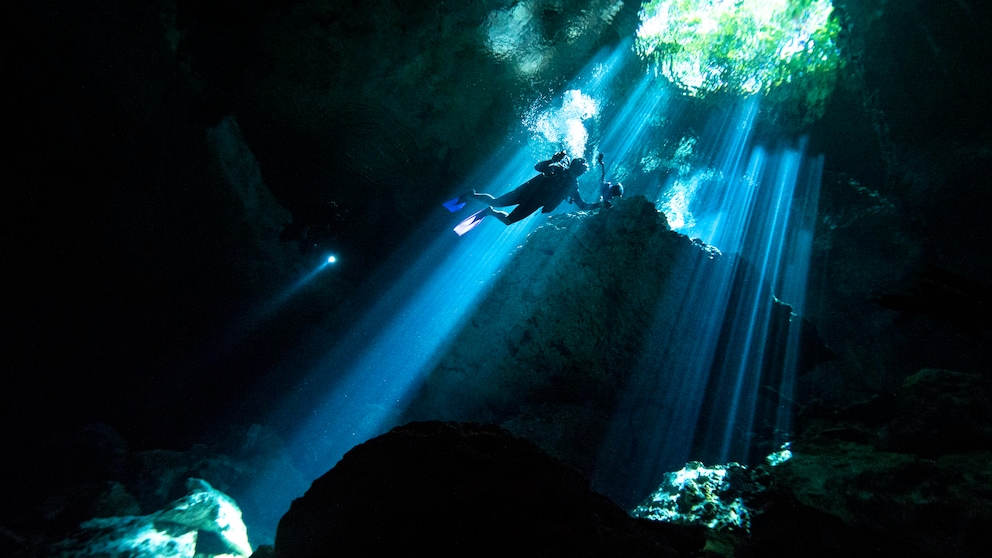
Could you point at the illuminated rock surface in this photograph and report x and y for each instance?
(697, 494)
(205, 522)
(85, 491)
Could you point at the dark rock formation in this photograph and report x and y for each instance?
(906, 474)
(136, 226)
(905, 190)
(567, 317)
(446, 489)
(889, 477)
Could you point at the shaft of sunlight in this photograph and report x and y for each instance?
(362, 381)
(715, 380)
(379, 364)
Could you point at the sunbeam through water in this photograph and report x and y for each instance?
(715, 387)
(714, 375)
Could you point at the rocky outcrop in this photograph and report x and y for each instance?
(447, 489)
(584, 327)
(205, 523)
(85, 491)
(909, 471)
(566, 318)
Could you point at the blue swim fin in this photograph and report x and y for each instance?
(454, 204)
(470, 223)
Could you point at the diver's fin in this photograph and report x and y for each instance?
(471, 222)
(454, 204)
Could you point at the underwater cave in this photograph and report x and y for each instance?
(266, 292)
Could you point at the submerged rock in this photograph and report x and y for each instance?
(702, 495)
(908, 472)
(446, 489)
(204, 523)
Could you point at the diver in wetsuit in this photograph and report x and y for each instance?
(556, 182)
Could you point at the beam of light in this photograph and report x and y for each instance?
(395, 343)
(718, 348)
(250, 322)
(289, 292)
(793, 283)
(747, 332)
(359, 382)
(264, 312)
(652, 429)
(625, 138)
(387, 354)
(706, 208)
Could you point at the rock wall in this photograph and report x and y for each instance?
(909, 471)
(905, 189)
(586, 321)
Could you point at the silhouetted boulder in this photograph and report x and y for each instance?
(445, 489)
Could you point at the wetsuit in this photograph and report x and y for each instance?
(547, 191)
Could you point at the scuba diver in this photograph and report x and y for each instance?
(607, 190)
(558, 180)
(314, 224)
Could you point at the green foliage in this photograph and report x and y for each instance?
(786, 49)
